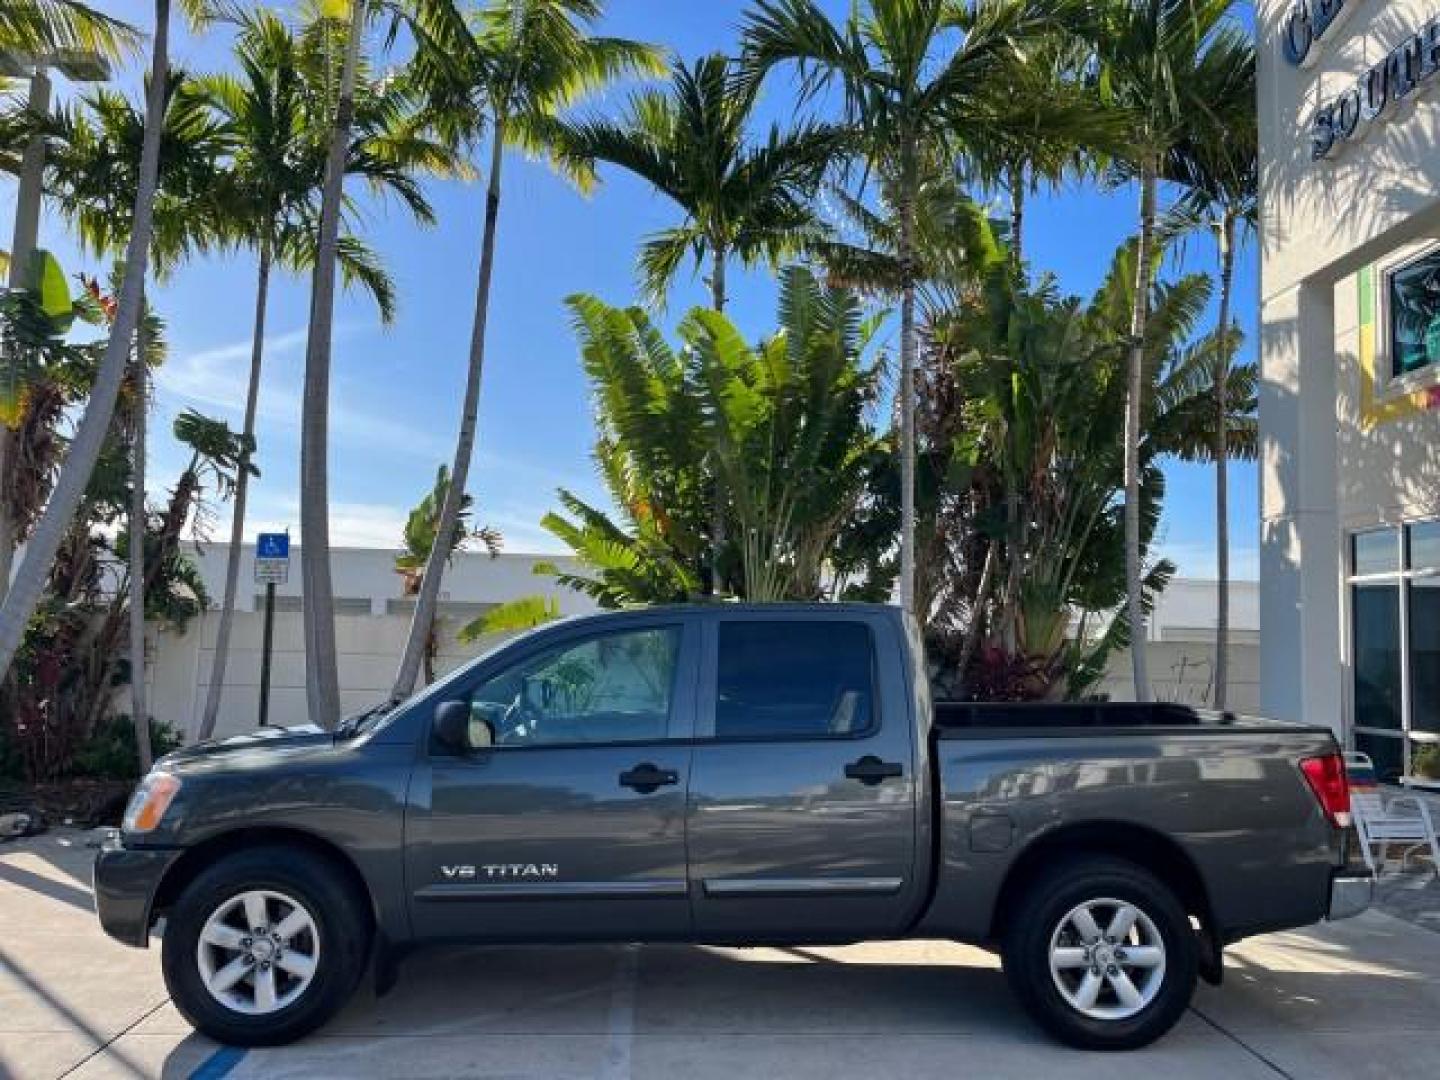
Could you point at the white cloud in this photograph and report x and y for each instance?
(352, 524)
(216, 378)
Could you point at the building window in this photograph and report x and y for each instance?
(1413, 303)
(1395, 642)
(1376, 552)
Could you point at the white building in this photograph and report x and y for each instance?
(1181, 648)
(1350, 367)
(371, 623)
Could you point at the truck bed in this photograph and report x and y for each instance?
(957, 718)
(1220, 794)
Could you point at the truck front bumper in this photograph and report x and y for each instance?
(1350, 894)
(126, 880)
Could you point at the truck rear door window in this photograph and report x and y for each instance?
(789, 679)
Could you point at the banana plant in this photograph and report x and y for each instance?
(785, 424)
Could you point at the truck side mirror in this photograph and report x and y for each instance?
(458, 731)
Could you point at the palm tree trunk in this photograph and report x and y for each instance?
(22, 249)
(242, 488)
(1222, 479)
(971, 641)
(322, 680)
(717, 277)
(1134, 389)
(1017, 216)
(139, 712)
(717, 514)
(7, 524)
(427, 602)
(89, 440)
(907, 381)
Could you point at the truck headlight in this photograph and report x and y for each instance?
(150, 801)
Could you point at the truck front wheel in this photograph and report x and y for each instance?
(264, 946)
(1101, 954)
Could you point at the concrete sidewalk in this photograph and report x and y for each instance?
(1354, 999)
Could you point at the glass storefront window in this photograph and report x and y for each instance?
(1414, 304)
(1425, 654)
(1386, 752)
(1395, 640)
(1377, 655)
(1425, 545)
(1377, 551)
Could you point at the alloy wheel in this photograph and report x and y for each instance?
(258, 952)
(1107, 959)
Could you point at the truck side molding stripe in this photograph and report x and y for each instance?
(753, 887)
(553, 890)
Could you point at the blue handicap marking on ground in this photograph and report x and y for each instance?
(219, 1064)
(272, 546)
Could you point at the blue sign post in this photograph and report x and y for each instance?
(272, 567)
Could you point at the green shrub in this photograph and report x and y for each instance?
(110, 754)
(1425, 761)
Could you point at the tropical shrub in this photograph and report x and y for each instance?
(70, 661)
(781, 428)
(109, 753)
(1021, 538)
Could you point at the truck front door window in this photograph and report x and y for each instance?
(610, 688)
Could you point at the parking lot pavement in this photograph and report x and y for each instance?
(1353, 999)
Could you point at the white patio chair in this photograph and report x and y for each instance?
(1382, 821)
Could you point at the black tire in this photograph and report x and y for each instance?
(1041, 910)
(344, 939)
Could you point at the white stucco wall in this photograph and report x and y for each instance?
(370, 633)
(1181, 648)
(1325, 467)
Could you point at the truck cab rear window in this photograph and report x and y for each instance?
(786, 679)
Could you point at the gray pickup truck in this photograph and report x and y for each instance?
(730, 774)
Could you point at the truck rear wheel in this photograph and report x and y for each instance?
(264, 946)
(1101, 954)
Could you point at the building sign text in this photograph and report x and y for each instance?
(1405, 71)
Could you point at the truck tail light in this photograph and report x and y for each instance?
(1326, 777)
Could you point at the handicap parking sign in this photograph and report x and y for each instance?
(272, 546)
(272, 558)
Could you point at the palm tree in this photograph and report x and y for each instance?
(40, 28)
(322, 679)
(95, 172)
(690, 143)
(1165, 63)
(276, 110)
(418, 541)
(921, 80)
(1221, 176)
(90, 437)
(1055, 126)
(515, 66)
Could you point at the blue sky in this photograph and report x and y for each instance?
(396, 391)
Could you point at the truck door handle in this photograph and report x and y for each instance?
(646, 778)
(871, 770)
